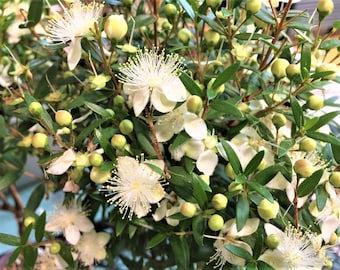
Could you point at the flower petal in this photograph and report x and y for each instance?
(174, 90)
(140, 100)
(74, 53)
(160, 102)
(329, 225)
(72, 234)
(207, 162)
(249, 228)
(195, 126)
(60, 165)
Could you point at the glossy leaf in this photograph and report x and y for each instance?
(264, 176)
(242, 212)
(35, 199)
(156, 240)
(199, 192)
(191, 85)
(297, 112)
(324, 137)
(181, 251)
(261, 190)
(285, 147)
(254, 163)
(324, 120)
(10, 240)
(226, 107)
(309, 184)
(188, 7)
(40, 227)
(198, 228)
(240, 252)
(25, 235)
(306, 58)
(9, 178)
(30, 256)
(321, 197)
(226, 75)
(14, 255)
(232, 157)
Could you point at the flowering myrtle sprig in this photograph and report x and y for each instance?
(196, 135)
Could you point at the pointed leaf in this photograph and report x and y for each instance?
(324, 120)
(261, 190)
(324, 137)
(254, 163)
(198, 228)
(226, 107)
(305, 58)
(191, 85)
(242, 212)
(232, 157)
(264, 176)
(156, 240)
(321, 197)
(297, 112)
(240, 252)
(226, 75)
(40, 227)
(181, 251)
(188, 8)
(309, 184)
(285, 147)
(10, 240)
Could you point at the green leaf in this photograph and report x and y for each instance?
(264, 266)
(242, 212)
(321, 197)
(239, 252)
(264, 176)
(14, 256)
(89, 129)
(10, 240)
(311, 122)
(30, 256)
(120, 226)
(264, 15)
(199, 192)
(261, 190)
(40, 227)
(97, 109)
(261, 128)
(2, 127)
(181, 251)
(232, 157)
(8, 179)
(66, 254)
(198, 228)
(324, 120)
(189, 9)
(254, 163)
(309, 184)
(336, 152)
(181, 183)
(305, 59)
(213, 25)
(104, 141)
(324, 137)
(252, 36)
(36, 196)
(143, 20)
(285, 147)
(34, 14)
(49, 78)
(192, 87)
(330, 43)
(226, 107)
(26, 234)
(156, 240)
(226, 75)
(179, 140)
(297, 112)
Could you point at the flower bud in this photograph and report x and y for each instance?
(325, 7)
(28, 221)
(219, 201)
(329, 67)
(35, 108)
(194, 104)
(188, 209)
(213, 4)
(96, 159)
(170, 12)
(253, 6)
(278, 68)
(126, 126)
(211, 38)
(268, 210)
(235, 187)
(118, 101)
(307, 145)
(315, 102)
(279, 120)
(25, 141)
(334, 239)
(303, 168)
(229, 171)
(334, 179)
(118, 141)
(82, 160)
(273, 241)
(184, 35)
(115, 27)
(205, 178)
(55, 248)
(243, 107)
(98, 176)
(63, 118)
(293, 71)
(216, 222)
(39, 140)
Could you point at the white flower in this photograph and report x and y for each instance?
(135, 186)
(169, 206)
(175, 121)
(70, 220)
(297, 250)
(228, 236)
(153, 76)
(75, 24)
(91, 247)
(48, 261)
(62, 163)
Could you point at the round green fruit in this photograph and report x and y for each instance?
(194, 104)
(184, 35)
(39, 140)
(118, 141)
(219, 201)
(268, 210)
(307, 145)
(279, 120)
(98, 176)
(55, 248)
(273, 241)
(253, 6)
(96, 159)
(35, 108)
(188, 209)
(212, 38)
(315, 102)
(126, 126)
(303, 168)
(215, 222)
(334, 179)
(213, 4)
(278, 68)
(63, 118)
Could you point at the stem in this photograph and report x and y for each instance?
(155, 142)
(155, 14)
(295, 201)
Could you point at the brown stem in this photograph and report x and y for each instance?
(155, 142)
(295, 202)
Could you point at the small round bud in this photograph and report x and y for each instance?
(219, 201)
(205, 178)
(328, 67)
(243, 107)
(55, 248)
(39, 140)
(235, 187)
(279, 120)
(333, 239)
(126, 126)
(262, 165)
(184, 35)
(118, 141)
(35, 108)
(98, 176)
(334, 179)
(63, 118)
(229, 171)
(303, 168)
(115, 27)
(194, 104)
(307, 145)
(268, 210)
(315, 102)
(278, 68)
(213, 4)
(170, 11)
(96, 159)
(253, 6)
(212, 38)
(25, 141)
(293, 71)
(325, 7)
(273, 241)
(118, 101)
(215, 222)
(28, 221)
(188, 209)
(82, 160)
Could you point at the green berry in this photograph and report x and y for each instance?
(118, 141)
(55, 248)
(63, 118)
(219, 201)
(212, 38)
(213, 4)
(278, 68)
(315, 102)
(328, 67)
(170, 11)
(215, 222)
(229, 171)
(273, 241)
(98, 176)
(279, 120)
(35, 108)
(307, 145)
(28, 221)
(268, 210)
(39, 140)
(334, 179)
(325, 7)
(184, 35)
(253, 6)
(235, 187)
(293, 71)
(194, 104)
(126, 126)
(188, 209)
(303, 168)
(96, 159)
